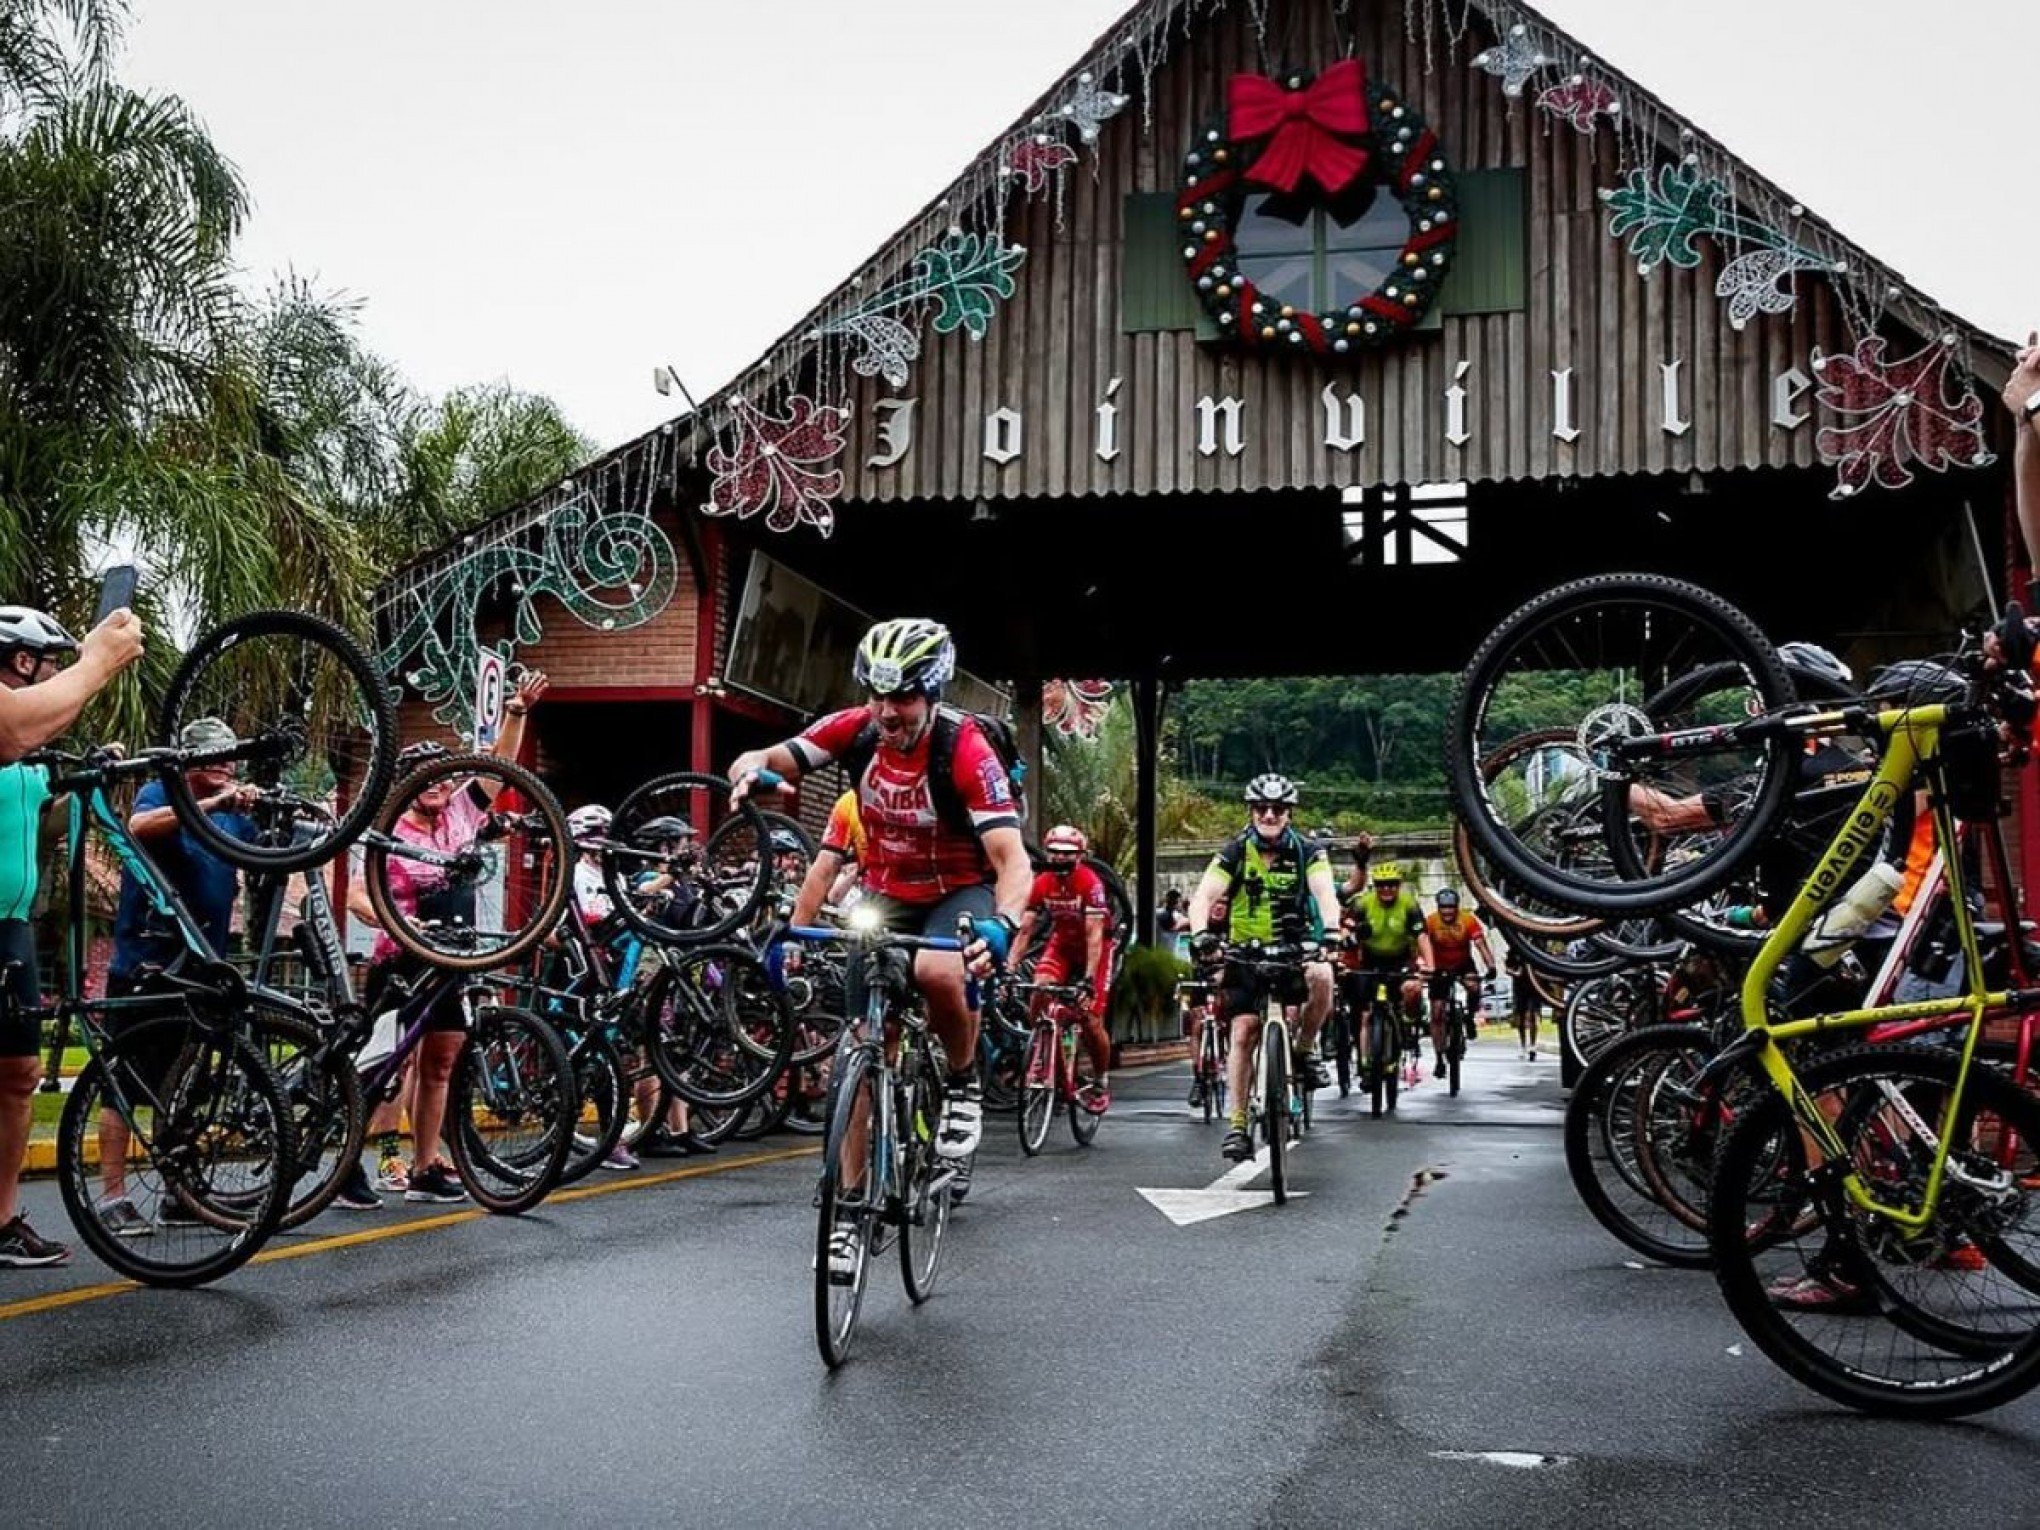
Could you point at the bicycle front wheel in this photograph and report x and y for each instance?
(1585, 659)
(844, 1218)
(203, 1150)
(510, 1110)
(1275, 1108)
(682, 866)
(312, 727)
(1934, 1324)
(470, 863)
(924, 1198)
(1037, 1091)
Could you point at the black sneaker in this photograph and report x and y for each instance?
(435, 1184)
(1196, 1093)
(356, 1194)
(22, 1249)
(171, 1212)
(1315, 1073)
(959, 1186)
(1238, 1146)
(695, 1147)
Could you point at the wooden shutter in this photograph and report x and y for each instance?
(1488, 269)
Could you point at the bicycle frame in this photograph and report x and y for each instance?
(1912, 751)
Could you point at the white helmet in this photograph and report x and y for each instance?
(585, 822)
(26, 627)
(1271, 788)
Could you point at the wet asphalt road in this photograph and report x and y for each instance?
(643, 1355)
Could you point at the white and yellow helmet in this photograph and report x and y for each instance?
(907, 653)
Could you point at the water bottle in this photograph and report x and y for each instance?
(1839, 928)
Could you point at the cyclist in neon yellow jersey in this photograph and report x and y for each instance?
(1280, 889)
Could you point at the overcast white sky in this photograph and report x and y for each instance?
(567, 194)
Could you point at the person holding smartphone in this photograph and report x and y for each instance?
(38, 700)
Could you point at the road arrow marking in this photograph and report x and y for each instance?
(1221, 1198)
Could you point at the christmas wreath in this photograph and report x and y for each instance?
(1348, 137)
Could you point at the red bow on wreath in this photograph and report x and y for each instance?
(1308, 126)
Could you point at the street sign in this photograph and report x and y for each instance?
(492, 685)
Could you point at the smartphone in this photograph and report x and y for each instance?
(116, 589)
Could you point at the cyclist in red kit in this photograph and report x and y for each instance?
(941, 827)
(1069, 911)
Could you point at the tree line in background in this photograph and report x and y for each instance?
(251, 447)
(1366, 750)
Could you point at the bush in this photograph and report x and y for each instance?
(1145, 994)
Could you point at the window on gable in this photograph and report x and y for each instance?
(1315, 257)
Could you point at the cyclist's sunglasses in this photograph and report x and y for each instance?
(1271, 810)
(900, 697)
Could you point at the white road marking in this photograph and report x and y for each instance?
(1222, 1197)
(1521, 1460)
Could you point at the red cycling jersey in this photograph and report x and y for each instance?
(1068, 904)
(909, 853)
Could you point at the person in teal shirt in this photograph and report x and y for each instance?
(32, 648)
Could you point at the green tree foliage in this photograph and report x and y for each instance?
(1368, 749)
(252, 452)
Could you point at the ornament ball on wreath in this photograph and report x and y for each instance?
(1324, 140)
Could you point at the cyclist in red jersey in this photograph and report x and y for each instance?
(1452, 949)
(935, 849)
(1069, 901)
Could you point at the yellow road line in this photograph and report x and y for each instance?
(71, 1298)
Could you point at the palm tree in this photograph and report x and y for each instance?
(253, 453)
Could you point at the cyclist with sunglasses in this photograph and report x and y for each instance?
(941, 834)
(1279, 884)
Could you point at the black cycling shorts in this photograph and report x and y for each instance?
(1359, 987)
(20, 1030)
(444, 1015)
(932, 919)
(1441, 982)
(1247, 990)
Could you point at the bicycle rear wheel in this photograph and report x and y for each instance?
(602, 1108)
(210, 1157)
(329, 1118)
(843, 1206)
(1275, 1108)
(720, 1030)
(1605, 1131)
(470, 864)
(1583, 659)
(1939, 1323)
(1083, 1122)
(511, 1110)
(313, 727)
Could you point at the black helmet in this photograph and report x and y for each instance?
(1446, 898)
(666, 826)
(786, 842)
(1918, 683)
(419, 753)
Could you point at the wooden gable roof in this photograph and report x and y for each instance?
(1060, 348)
